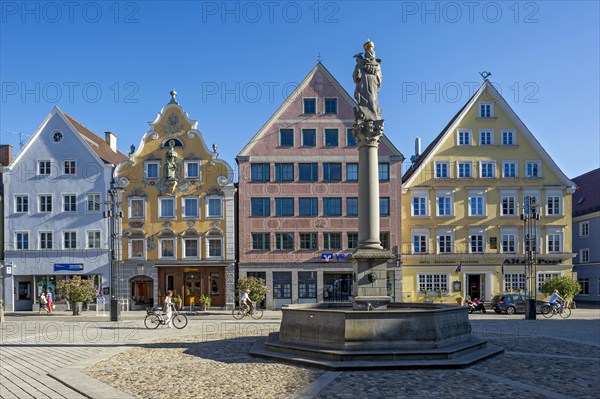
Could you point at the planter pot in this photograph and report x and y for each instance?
(178, 305)
(76, 306)
(202, 306)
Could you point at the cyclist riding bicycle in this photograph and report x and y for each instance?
(553, 299)
(246, 302)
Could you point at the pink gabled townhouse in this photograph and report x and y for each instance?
(298, 205)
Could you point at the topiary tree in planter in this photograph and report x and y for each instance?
(566, 286)
(258, 288)
(77, 291)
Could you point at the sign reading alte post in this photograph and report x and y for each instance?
(369, 261)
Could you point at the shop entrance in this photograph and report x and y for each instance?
(475, 286)
(142, 292)
(337, 287)
(192, 283)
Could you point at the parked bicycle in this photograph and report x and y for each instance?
(156, 318)
(560, 309)
(245, 310)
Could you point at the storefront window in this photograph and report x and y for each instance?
(214, 284)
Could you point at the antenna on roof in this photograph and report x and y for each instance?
(20, 137)
(485, 74)
(319, 58)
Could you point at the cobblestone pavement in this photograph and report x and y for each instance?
(552, 358)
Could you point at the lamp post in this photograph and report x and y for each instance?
(529, 217)
(113, 214)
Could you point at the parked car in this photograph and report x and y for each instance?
(512, 303)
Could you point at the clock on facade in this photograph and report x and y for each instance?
(57, 137)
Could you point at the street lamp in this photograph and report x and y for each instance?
(529, 217)
(113, 214)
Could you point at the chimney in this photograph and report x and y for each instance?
(414, 158)
(111, 140)
(5, 154)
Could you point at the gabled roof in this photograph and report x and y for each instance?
(587, 196)
(433, 148)
(100, 146)
(305, 82)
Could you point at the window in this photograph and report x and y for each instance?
(514, 282)
(508, 137)
(310, 105)
(307, 284)
(190, 207)
(509, 243)
(260, 172)
(464, 169)
(420, 239)
(509, 201)
(332, 207)
(308, 207)
(260, 207)
(384, 239)
(166, 207)
(331, 105)
(352, 240)
(553, 202)
(463, 137)
(486, 110)
(445, 243)
(585, 286)
(215, 247)
(384, 206)
(331, 138)
(476, 203)
(282, 285)
(542, 277)
(309, 137)
(308, 241)
(69, 167)
(584, 229)
(419, 206)
(332, 240)
(137, 208)
(350, 140)
(351, 172)
(476, 241)
(445, 206)
(93, 202)
(21, 203)
(433, 282)
(69, 203)
(22, 240)
(308, 172)
(352, 206)
(69, 239)
(214, 207)
(191, 248)
(192, 169)
(284, 207)
(384, 172)
(332, 171)
(533, 169)
(137, 248)
(93, 239)
(260, 241)
(152, 170)
(486, 137)
(509, 169)
(487, 169)
(284, 241)
(441, 170)
(44, 168)
(553, 242)
(284, 172)
(584, 255)
(286, 137)
(46, 240)
(45, 203)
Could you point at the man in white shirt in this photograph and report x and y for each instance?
(246, 301)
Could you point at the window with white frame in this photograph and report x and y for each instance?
(69, 239)
(93, 239)
(309, 137)
(351, 171)
(45, 203)
(433, 282)
(331, 137)
(508, 137)
(487, 169)
(214, 207)
(442, 169)
(191, 169)
(151, 170)
(420, 241)
(514, 282)
(463, 137)
(464, 169)
(22, 203)
(553, 203)
(509, 241)
(191, 248)
(486, 137)
(543, 277)
(284, 241)
(215, 247)
(44, 168)
(46, 238)
(166, 247)
(22, 240)
(445, 241)
(510, 169)
(69, 203)
(420, 203)
(166, 207)
(445, 203)
(69, 167)
(286, 137)
(477, 241)
(533, 169)
(584, 255)
(554, 240)
(190, 207)
(384, 171)
(486, 110)
(137, 248)
(310, 105)
(261, 241)
(93, 202)
(584, 229)
(477, 205)
(137, 208)
(508, 203)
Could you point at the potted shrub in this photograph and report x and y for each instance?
(440, 295)
(177, 301)
(77, 291)
(425, 295)
(205, 302)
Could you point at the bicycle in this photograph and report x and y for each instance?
(245, 310)
(155, 319)
(548, 310)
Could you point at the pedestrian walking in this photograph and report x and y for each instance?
(43, 303)
(49, 301)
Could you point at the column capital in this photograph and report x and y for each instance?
(368, 133)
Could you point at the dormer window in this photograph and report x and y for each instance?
(486, 110)
(310, 105)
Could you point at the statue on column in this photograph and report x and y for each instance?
(367, 77)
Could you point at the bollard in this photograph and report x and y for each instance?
(1, 310)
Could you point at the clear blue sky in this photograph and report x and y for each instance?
(111, 65)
